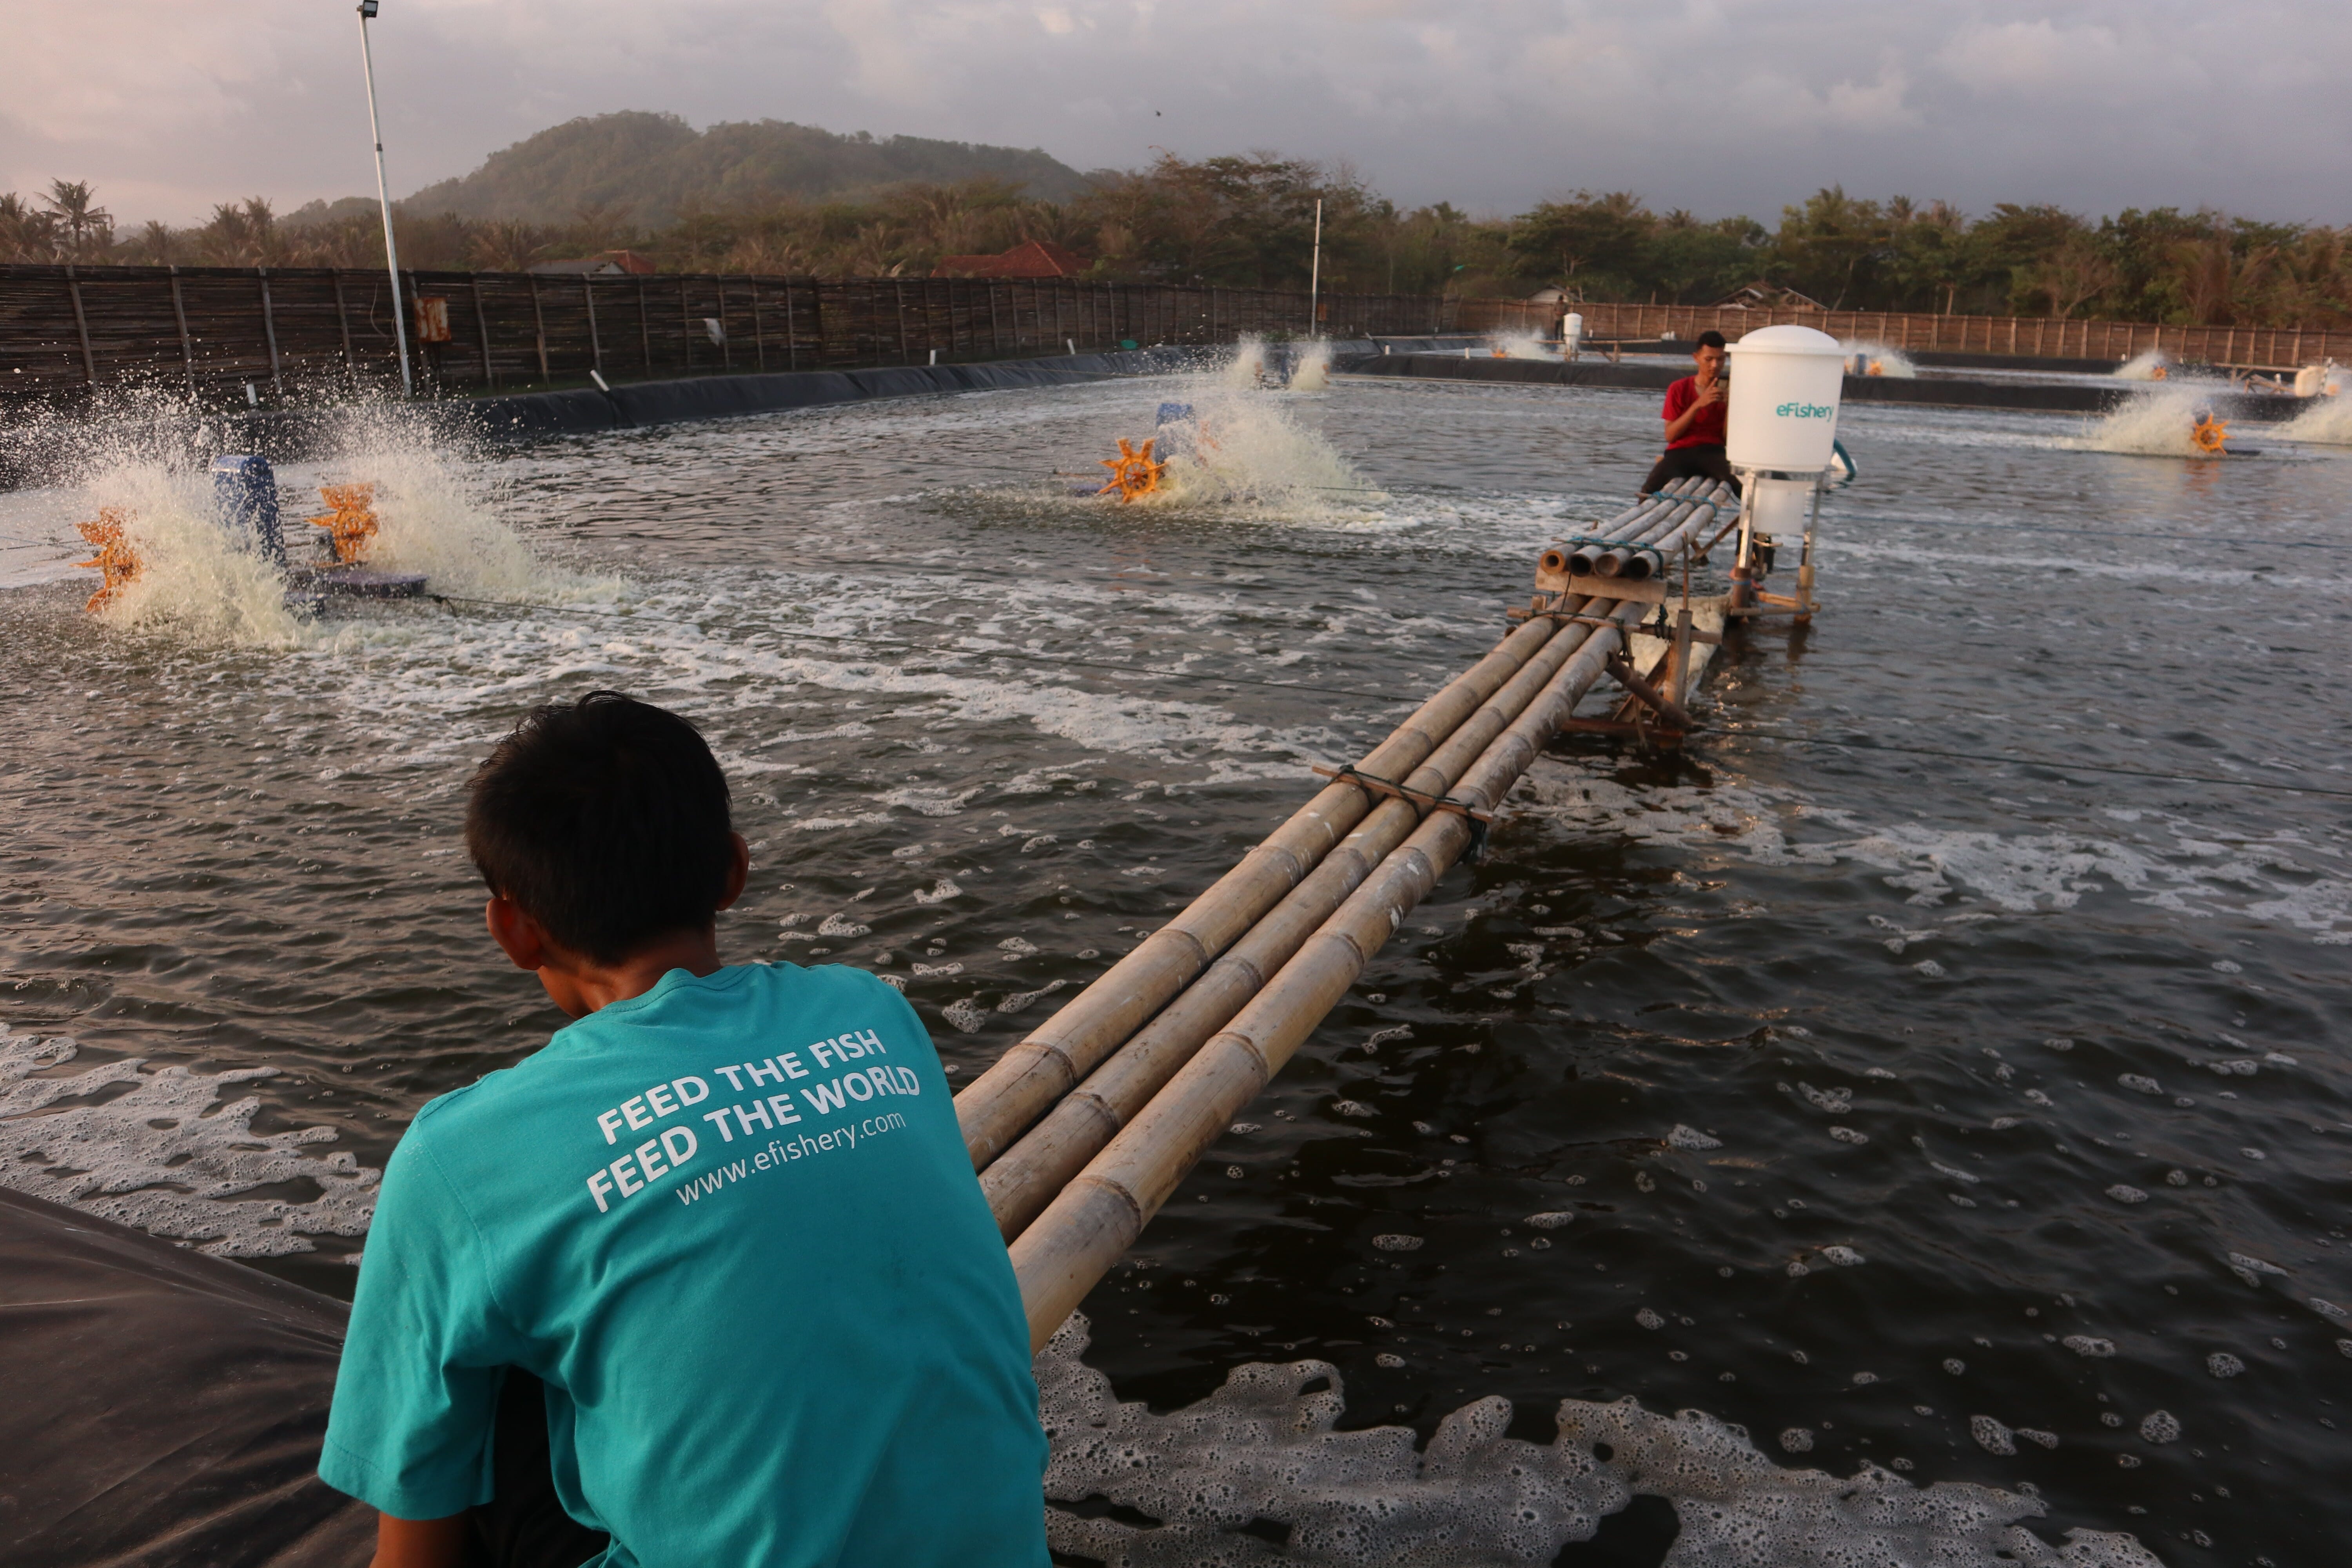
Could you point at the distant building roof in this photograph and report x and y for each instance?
(1760, 296)
(1032, 258)
(605, 263)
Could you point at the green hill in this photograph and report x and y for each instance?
(652, 166)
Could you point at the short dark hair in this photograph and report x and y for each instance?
(606, 820)
(1710, 339)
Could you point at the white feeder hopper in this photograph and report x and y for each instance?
(1782, 440)
(1572, 331)
(1785, 385)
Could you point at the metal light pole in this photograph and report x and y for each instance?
(384, 200)
(1314, 275)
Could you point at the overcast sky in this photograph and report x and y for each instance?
(1719, 106)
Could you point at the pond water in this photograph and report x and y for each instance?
(1937, 1117)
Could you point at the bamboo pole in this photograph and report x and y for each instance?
(1640, 524)
(1024, 1179)
(1089, 1226)
(1001, 1104)
(1631, 560)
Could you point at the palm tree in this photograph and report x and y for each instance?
(27, 234)
(153, 246)
(508, 244)
(242, 236)
(81, 230)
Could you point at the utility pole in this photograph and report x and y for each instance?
(384, 200)
(1314, 275)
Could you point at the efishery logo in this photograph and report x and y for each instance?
(1805, 411)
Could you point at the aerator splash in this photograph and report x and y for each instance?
(245, 502)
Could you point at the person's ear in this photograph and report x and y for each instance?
(518, 935)
(738, 871)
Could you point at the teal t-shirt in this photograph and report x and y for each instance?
(731, 1225)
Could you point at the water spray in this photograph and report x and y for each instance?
(245, 508)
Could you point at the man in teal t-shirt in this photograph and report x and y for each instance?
(726, 1218)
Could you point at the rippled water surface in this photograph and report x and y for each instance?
(1979, 1119)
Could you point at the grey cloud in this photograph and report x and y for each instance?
(1717, 105)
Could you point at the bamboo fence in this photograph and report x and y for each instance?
(2039, 337)
(214, 330)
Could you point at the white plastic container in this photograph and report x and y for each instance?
(1785, 385)
(1572, 331)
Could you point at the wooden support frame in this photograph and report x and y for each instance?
(82, 326)
(539, 324)
(595, 343)
(1622, 671)
(342, 321)
(268, 332)
(188, 350)
(482, 325)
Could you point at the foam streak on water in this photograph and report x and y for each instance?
(1265, 1449)
(155, 1148)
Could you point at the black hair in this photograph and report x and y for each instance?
(606, 820)
(1710, 339)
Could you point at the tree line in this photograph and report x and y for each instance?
(1248, 221)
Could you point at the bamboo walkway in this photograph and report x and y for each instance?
(1082, 1131)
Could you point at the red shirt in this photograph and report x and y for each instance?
(1707, 429)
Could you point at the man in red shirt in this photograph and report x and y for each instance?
(1695, 408)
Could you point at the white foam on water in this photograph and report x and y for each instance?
(2328, 421)
(2144, 568)
(2282, 879)
(202, 583)
(1250, 451)
(2143, 365)
(1311, 371)
(1890, 360)
(1246, 369)
(2155, 423)
(166, 1155)
(1521, 345)
(435, 513)
(1265, 1448)
(196, 580)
